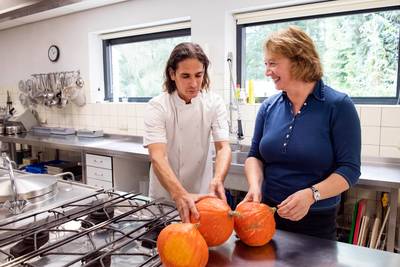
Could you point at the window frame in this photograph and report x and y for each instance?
(107, 57)
(241, 47)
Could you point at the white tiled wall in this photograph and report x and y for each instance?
(380, 125)
(380, 130)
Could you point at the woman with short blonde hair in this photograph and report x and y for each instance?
(306, 145)
(300, 49)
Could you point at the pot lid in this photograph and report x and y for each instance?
(28, 186)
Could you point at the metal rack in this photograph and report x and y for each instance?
(52, 89)
(125, 230)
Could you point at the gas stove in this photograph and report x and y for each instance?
(107, 228)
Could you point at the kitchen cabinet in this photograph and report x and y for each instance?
(131, 174)
(99, 170)
(124, 174)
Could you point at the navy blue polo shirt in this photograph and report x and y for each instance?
(300, 150)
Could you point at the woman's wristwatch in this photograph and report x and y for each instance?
(316, 194)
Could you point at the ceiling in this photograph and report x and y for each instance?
(18, 12)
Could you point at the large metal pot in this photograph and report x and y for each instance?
(29, 186)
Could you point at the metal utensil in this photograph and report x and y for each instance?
(22, 87)
(79, 82)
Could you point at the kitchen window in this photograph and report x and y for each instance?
(359, 49)
(134, 65)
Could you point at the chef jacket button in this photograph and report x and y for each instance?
(287, 136)
(305, 104)
(290, 127)
(284, 144)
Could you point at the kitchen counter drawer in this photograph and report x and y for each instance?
(99, 161)
(99, 173)
(99, 183)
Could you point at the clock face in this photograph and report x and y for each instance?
(53, 53)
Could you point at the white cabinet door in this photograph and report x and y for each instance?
(99, 183)
(99, 161)
(99, 173)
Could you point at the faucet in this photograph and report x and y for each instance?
(234, 107)
(15, 206)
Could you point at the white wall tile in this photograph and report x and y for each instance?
(389, 151)
(69, 122)
(370, 150)
(75, 121)
(89, 121)
(113, 131)
(132, 123)
(91, 110)
(121, 109)
(122, 123)
(131, 110)
(391, 116)
(132, 131)
(97, 109)
(390, 136)
(105, 109)
(113, 124)
(247, 112)
(140, 123)
(97, 122)
(113, 109)
(248, 128)
(140, 109)
(370, 116)
(370, 135)
(102, 122)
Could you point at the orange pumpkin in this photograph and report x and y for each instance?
(216, 222)
(181, 245)
(254, 223)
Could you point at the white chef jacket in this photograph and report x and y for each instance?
(186, 130)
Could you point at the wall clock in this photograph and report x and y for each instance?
(53, 53)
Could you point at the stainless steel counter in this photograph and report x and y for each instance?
(294, 250)
(113, 145)
(376, 173)
(381, 172)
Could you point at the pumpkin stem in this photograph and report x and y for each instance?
(273, 209)
(234, 213)
(197, 225)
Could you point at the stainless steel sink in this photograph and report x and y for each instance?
(239, 156)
